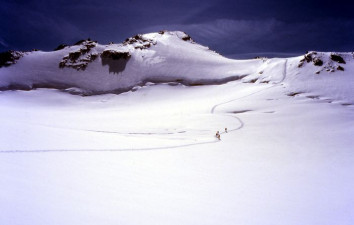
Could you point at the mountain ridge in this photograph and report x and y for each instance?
(161, 57)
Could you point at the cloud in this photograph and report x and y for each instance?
(232, 37)
(234, 30)
(3, 43)
(26, 29)
(227, 26)
(52, 26)
(231, 34)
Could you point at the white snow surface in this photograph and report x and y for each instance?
(168, 59)
(150, 156)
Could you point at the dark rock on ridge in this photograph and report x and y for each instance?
(116, 60)
(139, 42)
(60, 47)
(10, 57)
(81, 58)
(337, 58)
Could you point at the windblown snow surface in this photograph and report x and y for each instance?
(129, 137)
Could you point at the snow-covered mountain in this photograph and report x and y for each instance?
(149, 155)
(95, 68)
(92, 68)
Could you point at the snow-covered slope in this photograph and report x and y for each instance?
(95, 68)
(92, 68)
(149, 155)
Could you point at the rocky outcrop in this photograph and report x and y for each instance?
(311, 57)
(116, 60)
(60, 47)
(139, 42)
(337, 58)
(326, 62)
(10, 57)
(81, 58)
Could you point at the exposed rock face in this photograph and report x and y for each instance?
(337, 58)
(317, 62)
(311, 57)
(115, 55)
(83, 41)
(327, 63)
(80, 58)
(340, 68)
(139, 42)
(60, 47)
(116, 60)
(10, 57)
(186, 37)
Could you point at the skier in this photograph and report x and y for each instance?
(217, 135)
(225, 129)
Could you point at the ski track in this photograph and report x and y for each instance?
(110, 132)
(284, 72)
(107, 150)
(136, 149)
(212, 111)
(124, 149)
(275, 84)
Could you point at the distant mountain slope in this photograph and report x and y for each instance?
(92, 68)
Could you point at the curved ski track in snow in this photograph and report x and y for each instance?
(241, 122)
(212, 111)
(125, 149)
(140, 149)
(275, 84)
(106, 150)
(284, 72)
(128, 149)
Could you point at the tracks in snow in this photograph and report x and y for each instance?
(124, 149)
(241, 122)
(131, 149)
(212, 111)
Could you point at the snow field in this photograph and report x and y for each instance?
(150, 156)
(289, 163)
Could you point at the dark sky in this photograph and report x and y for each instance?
(237, 28)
